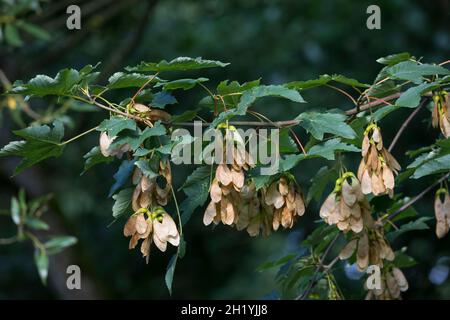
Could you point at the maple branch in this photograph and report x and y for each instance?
(416, 198)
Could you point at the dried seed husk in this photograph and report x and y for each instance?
(366, 183)
(210, 213)
(283, 187)
(349, 192)
(135, 198)
(133, 241)
(160, 244)
(392, 286)
(365, 145)
(105, 143)
(388, 177)
(400, 278)
(130, 226)
(141, 224)
(363, 252)
(223, 174)
(215, 192)
(348, 249)
(145, 247)
(157, 114)
(141, 108)
(299, 204)
(238, 178)
(328, 206)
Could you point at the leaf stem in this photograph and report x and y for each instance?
(78, 136)
(415, 199)
(406, 123)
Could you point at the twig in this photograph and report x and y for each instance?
(372, 104)
(406, 123)
(343, 92)
(320, 265)
(6, 241)
(78, 136)
(416, 198)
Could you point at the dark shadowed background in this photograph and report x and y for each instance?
(277, 41)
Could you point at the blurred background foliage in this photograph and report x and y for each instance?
(277, 41)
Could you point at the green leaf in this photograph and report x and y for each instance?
(122, 202)
(249, 97)
(115, 125)
(184, 84)
(188, 115)
(230, 92)
(120, 80)
(261, 181)
(384, 111)
(328, 149)
(277, 263)
(41, 142)
(320, 123)
(435, 165)
(15, 210)
(181, 248)
(121, 176)
(34, 30)
(136, 138)
(411, 97)
(170, 272)
(403, 260)
(325, 150)
(196, 189)
(95, 157)
(323, 80)
(41, 261)
(394, 58)
(12, 36)
(286, 143)
(178, 64)
(36, 224)
(57, 244)
(162, 99)
(37, 203)
(349, 81)
(146, 169)
(42, 85)
(418, 224)
(413, 71)
(320, 181)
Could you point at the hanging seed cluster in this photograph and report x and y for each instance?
(285, 200)
(228, 182)
(377, 167)
(442, 212)
(155, 226)
(441, 112)
(346, 206)
(236, 202)
(150, 191)
(393, 283)
(371, 248)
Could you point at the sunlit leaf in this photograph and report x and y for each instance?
(178, 64)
